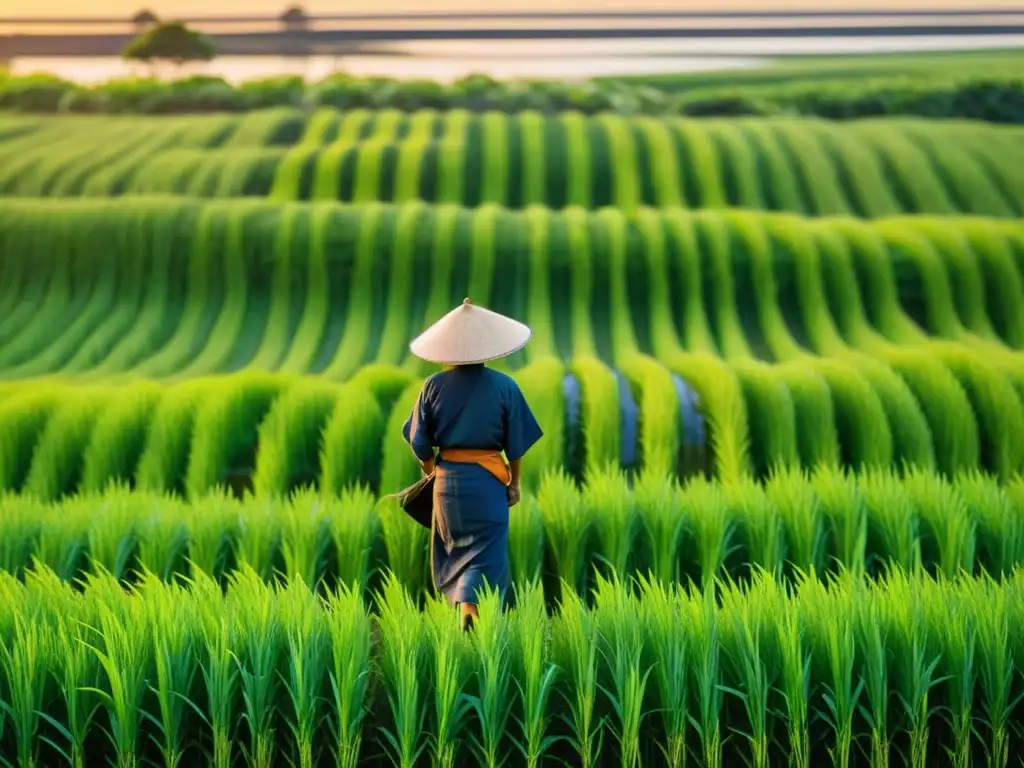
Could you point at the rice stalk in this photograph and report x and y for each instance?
(566, 526)
(535, 675)
(348, 623)
(451, 669)
(576, 650)
(622, 648)
(607, 498)
(354, 527)
(493, 705)
(257, 612)
(402, 667)
(169, 616)
(664, 522)
(305, 538)
(664, 606)
(307, 649)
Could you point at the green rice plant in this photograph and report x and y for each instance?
(791, 494)
(840, 502)
(308, 653)
(163, 462)
(663, 522)
(621, 642)
(713, 527)
(599, 413)
(668, 639)
(402, 660)
(947, 525)
(113, 532)
(25, 658)
(956, 639)
(832, 640)
(526, 540)
(76, 673)
(292, 234)
(218, 664)
(706, 645)
(535, 674)
(21, 526)
(61, 551)
(57, 460)
(163, 538)
(226, 430)
(260, 529)
(451, 670)
(260, 644)
(796, 682)
(761, 524)
(400, 468)
(349, 626)
(354, 527)
(994, 667)
(575, 638)
(540, 383)
(916, 662)
(407, 546)
(893, 522)
(873, 635)
(122, 653)
(350, 440)
(289, 438)
(998, 513)
(865, 436)
(214, 531)
(371, 235)
(816, 435)
(493, 704)
(1003, 283)
(169, 615)
(305, 538)
(118, 437)
(771, 416)
(412, 227)
(328, 228)
(752, 659)
(567, 527)
(607, 498)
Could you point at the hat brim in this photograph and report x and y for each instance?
(470, 334)
(473, 361)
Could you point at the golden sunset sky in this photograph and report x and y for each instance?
(170, 8)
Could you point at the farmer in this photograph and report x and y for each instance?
(471, 414)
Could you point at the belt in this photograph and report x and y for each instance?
(492, 461)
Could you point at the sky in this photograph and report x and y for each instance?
(187, 8)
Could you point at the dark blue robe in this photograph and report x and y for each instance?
(479, 408)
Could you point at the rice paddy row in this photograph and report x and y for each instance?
(795, 341)
(896, 672)
(696, 531)
(871, 168)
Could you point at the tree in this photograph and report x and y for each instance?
(143, 20)
(294, 37)
(172, 41)
(295, 19)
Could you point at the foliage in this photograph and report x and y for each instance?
(171, 41)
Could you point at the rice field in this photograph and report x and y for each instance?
(777, 517)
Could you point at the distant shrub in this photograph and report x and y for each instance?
(995, 98)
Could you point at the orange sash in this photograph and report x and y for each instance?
(489, 460)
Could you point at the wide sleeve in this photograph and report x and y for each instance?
(521, 428)
(419, 429)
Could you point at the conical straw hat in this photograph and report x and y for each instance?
(470, 334)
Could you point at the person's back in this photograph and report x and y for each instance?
(471, 415)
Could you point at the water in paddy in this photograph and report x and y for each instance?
(569, 59)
